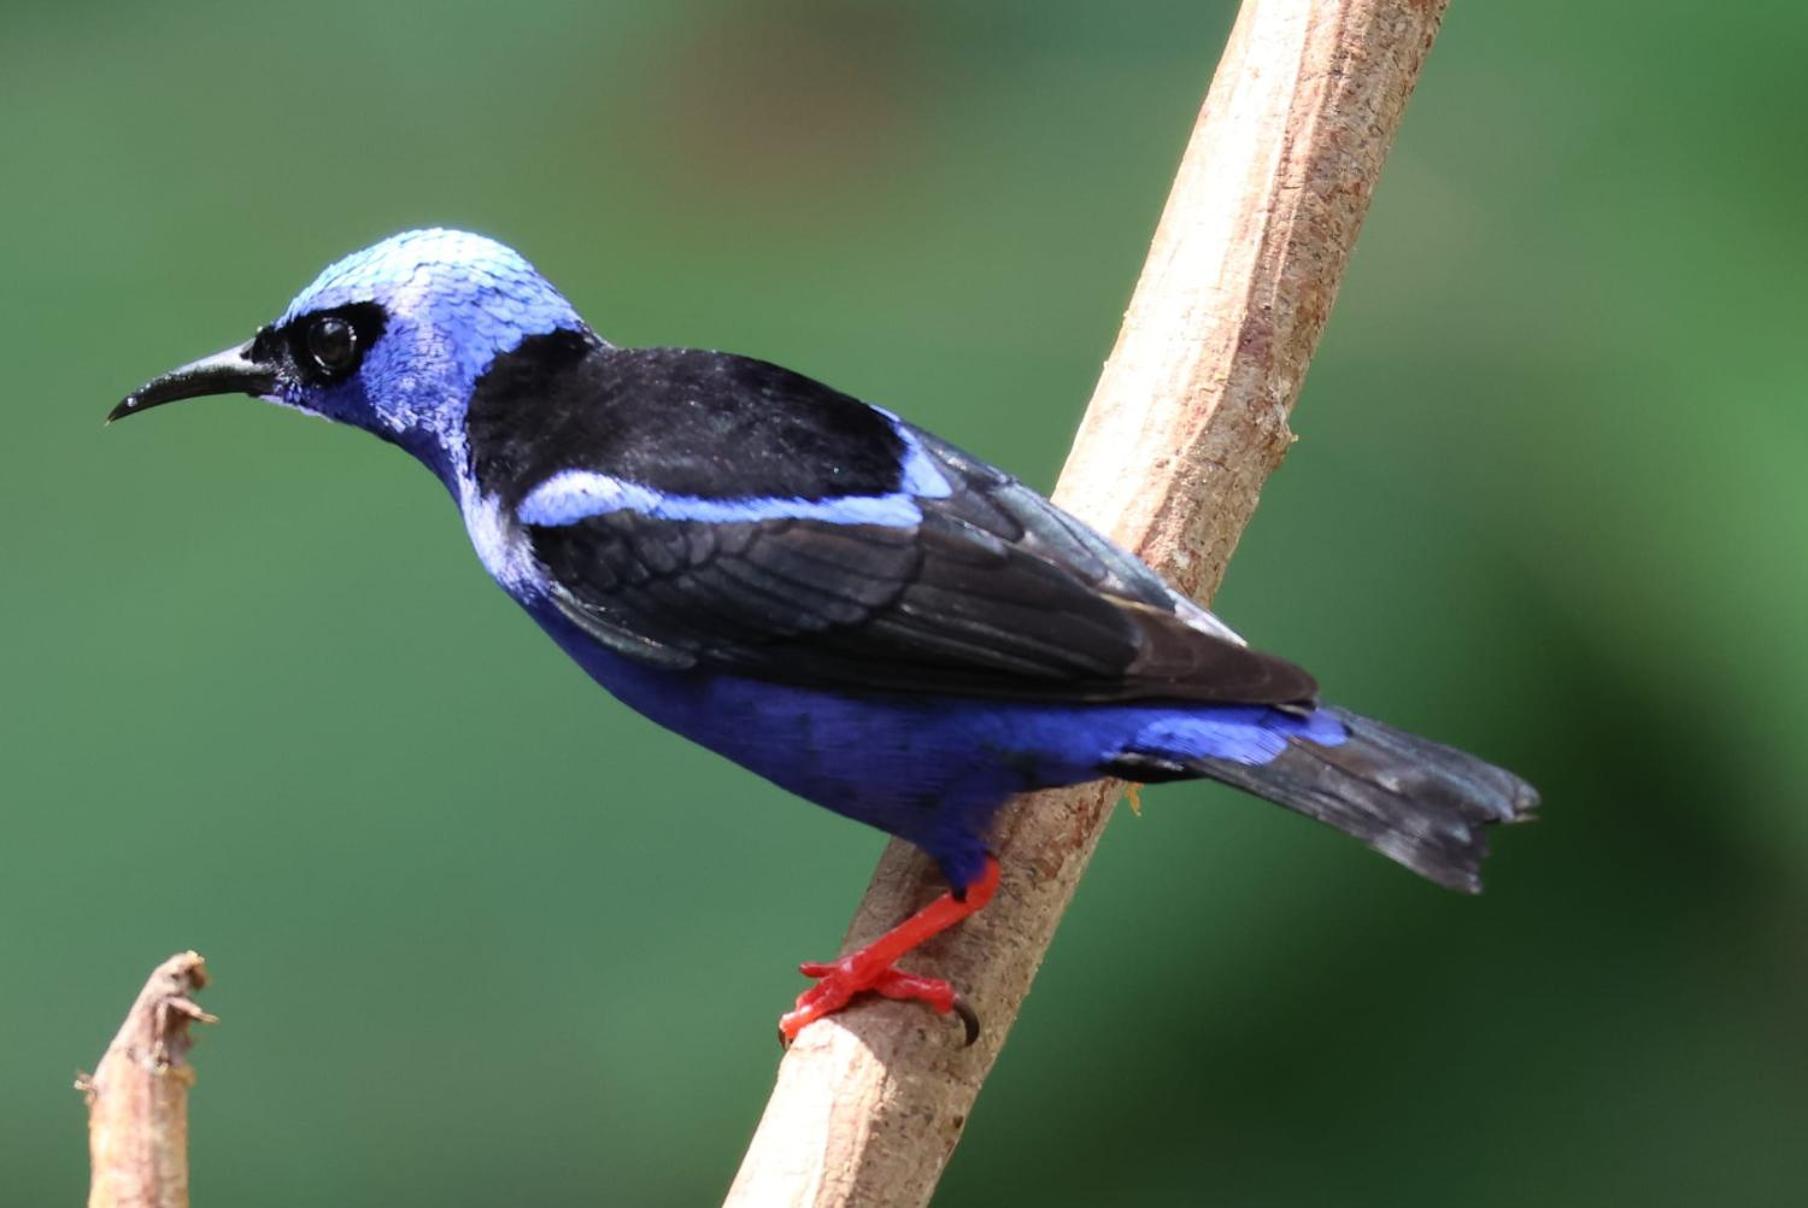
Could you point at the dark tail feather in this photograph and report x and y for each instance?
(1415, 801)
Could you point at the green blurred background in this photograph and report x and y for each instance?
(482, 937)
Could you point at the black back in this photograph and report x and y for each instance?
(677, 420)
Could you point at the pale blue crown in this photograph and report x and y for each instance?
(466, 280)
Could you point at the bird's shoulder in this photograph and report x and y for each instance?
(678, 421)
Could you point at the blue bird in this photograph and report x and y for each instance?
(820, 591)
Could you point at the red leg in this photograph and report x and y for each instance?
(870, 968)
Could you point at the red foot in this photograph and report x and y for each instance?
(871, 968)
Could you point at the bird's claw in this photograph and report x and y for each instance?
(838, 982)
(969, 1018)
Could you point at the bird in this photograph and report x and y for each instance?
(833, 598)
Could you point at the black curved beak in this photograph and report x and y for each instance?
(235, 371)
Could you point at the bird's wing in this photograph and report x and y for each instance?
(758, 522)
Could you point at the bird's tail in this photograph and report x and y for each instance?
(1423, 804)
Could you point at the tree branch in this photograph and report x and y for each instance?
(1187, 421)
(138, 1095)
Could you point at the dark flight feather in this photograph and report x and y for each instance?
(995, 592)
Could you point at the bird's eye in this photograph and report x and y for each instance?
(333, 344)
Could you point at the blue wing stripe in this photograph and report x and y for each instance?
(921, 476)
(573, 495)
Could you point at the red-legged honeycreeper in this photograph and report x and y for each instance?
(820, 591)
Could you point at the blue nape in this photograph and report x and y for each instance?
(932, 770)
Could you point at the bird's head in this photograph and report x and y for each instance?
(391, 339)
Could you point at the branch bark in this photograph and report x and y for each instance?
(138, 1095)
(1187, 421)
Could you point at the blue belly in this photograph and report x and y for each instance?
(931, 770)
